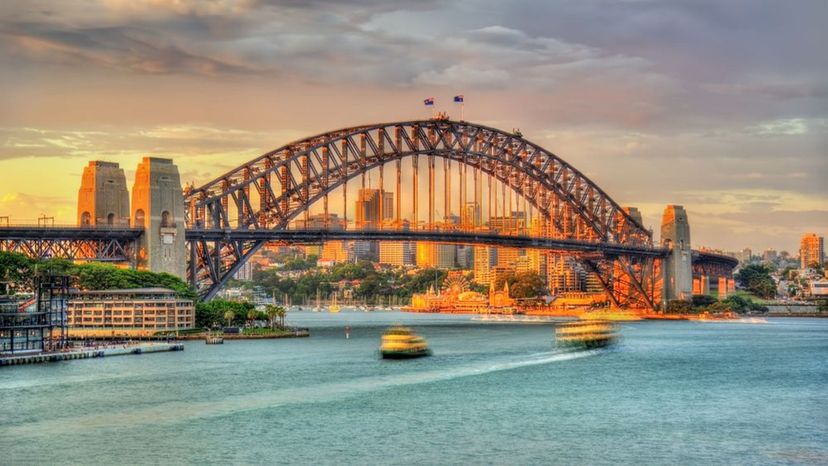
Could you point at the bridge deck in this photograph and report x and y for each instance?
(458, 237)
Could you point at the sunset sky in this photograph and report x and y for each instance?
(721, 106)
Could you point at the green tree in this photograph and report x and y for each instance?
(527, 285)
(756, 279)
(229, 316)
(679, 306)
(702, 300)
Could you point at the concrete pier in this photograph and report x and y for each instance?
(90, 353)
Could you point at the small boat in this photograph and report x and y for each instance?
(214, 339)
(586, 334)
(400, 342)
(334, 308)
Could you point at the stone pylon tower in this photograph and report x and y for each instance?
(103, 198)
(158, 206)
(678, 267)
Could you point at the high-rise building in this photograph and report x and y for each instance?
(471, 217)
(334, 251)
(485, 258)
(320, 222)
(441, 256)
(373, 206)
(399, 253)
(516, 222)
(563, 274)
(811, 251)
(769, 256)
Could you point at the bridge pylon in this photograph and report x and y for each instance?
(678, 270)
(158, 207)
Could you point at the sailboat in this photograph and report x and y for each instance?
(334, 308)
(318, 307)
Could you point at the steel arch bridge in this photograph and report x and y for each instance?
(231, 217)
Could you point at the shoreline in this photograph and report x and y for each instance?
(120, 350)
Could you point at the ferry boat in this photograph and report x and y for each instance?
(400, 342)
(586, 334)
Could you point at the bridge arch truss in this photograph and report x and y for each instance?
(267, 193)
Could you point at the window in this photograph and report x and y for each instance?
(110, 219)
(139, 218)
(86, 219)
(166, 220)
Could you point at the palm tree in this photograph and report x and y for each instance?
(229, 316)
(281, 312)
(272, 312)
(251, 316)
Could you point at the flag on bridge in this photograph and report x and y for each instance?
(429, 102)
(458, 98)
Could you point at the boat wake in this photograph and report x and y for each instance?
(178, 412)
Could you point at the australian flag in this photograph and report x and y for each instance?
(429, 102)
(458, 98)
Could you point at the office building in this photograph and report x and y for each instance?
(811, 251)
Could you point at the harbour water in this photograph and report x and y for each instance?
(494, 393)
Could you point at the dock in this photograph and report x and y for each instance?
(90, 353)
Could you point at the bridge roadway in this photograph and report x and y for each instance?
(23, 233)
(12, 237)
(455, 237)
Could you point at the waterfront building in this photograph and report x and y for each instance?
(36, 325)
(818, 288)
(811, 251)
(128, 313)
(455, 297)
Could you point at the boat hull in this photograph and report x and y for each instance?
(390, 354)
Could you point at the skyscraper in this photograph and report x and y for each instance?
(811, 251)
(373, 206)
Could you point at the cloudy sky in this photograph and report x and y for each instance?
(719, 105)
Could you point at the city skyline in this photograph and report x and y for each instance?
(738, 139)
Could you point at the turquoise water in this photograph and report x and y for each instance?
(493, 393)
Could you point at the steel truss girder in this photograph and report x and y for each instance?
(501, 155)
(630, 281)
(289, 179)
(97, 249)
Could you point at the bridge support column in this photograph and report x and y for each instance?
(678, 268)
(158, 206)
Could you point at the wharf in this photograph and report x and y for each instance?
(90, 353)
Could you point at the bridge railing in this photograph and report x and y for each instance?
(19, 225)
